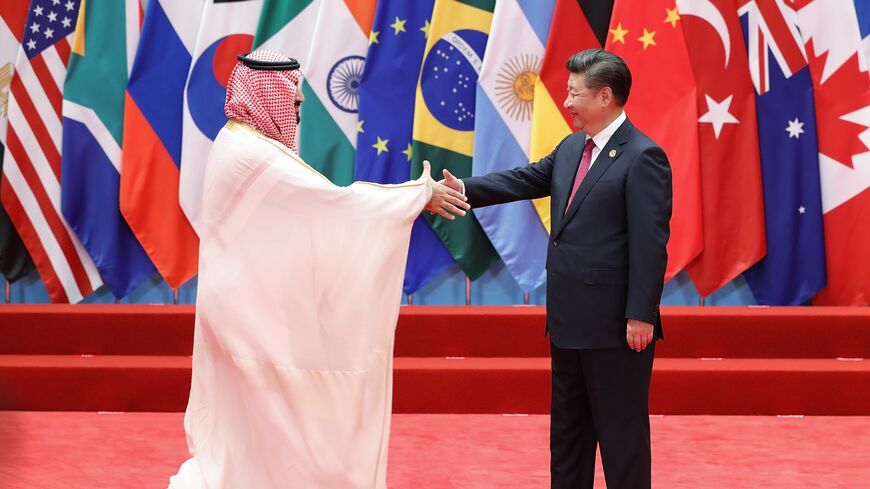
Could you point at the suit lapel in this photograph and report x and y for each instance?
(565, 180)
(601, 164)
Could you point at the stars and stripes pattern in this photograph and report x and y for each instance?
(31, 170)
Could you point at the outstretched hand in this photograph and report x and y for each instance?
(450, 181)
(446, 201)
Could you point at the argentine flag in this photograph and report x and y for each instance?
(502, 131)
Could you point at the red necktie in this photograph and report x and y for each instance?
(585, 162)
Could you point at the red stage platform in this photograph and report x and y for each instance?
(715, 360)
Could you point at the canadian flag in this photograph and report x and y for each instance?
(841, 82)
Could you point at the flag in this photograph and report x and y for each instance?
(502, 129)
(151, 149)
(93, 120)
(327, 135)
(13, 15)
(862, 9)
(794, 268)
(15, 263)
(444, 116)
(226, 29)
(663, 104)
(842, 93)
(287, 27)
(388, 86)
(576, 25)
(731, 199)
(31, 163)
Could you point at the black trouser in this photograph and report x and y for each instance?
(600, 397)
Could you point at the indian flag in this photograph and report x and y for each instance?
(327, 135)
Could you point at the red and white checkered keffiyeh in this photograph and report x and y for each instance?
(265, 99)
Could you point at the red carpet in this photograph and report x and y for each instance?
(715, 360)
(140, 450)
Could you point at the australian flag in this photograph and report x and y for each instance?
(794, 268)
(386, 113)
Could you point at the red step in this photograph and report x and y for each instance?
(450, 385)
(434, 331)
(96, 329)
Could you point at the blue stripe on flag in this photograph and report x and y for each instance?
(89, 201)
(514, 229)
(862, 8)
(158, 77)
(538, 13)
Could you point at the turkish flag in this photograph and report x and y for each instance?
(663, 105)
(841, 84)
(733, 202)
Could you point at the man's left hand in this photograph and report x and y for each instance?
(638, 334)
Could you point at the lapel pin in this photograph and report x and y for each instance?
(612, 153)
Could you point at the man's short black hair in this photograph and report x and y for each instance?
(603, 69)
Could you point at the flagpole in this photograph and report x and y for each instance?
(8, 291)
(702, 301)
(467, 291)
(175, 296)
(410, 299)
(525, 298)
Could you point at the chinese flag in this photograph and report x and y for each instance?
(663, 104)
(732, 202)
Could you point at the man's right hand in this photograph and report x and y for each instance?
(445, 201)
(451, 182)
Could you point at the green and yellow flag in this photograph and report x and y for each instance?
(444, 116)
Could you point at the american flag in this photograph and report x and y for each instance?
(31, 169)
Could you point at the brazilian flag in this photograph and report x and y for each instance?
(444, 116)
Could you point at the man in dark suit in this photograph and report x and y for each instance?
(611, 203)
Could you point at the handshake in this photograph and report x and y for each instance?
(447, 199)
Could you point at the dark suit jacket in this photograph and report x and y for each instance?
(606, 258)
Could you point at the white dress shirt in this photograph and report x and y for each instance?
(602, 138)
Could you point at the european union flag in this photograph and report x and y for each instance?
(794, 268)
(386, 119)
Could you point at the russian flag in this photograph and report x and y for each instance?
(152, 139)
